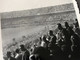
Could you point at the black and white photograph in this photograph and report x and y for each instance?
(39, 30)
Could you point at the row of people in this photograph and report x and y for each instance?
(65, 45)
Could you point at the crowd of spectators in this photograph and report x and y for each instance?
(64, 45)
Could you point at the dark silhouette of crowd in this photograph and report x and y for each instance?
(64, 45)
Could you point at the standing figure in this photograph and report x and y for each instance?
(9, 56)
(25, 53)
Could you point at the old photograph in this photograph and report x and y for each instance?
(49, 32)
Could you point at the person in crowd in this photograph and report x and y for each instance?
(25, 52)
(18, 55)
(76, 40)
(64, 39)
(55, 51)
(39, 42)
(60, 29)
(14, 41)
(63, 46)
(76, 47)
(32, 48)
(69, 29)
(76, 23)
(51, 36)
(42, 53)
(77, 30)
(60, 35)
(44, 42)
(9, 56)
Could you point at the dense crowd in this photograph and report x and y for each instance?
(64, 45)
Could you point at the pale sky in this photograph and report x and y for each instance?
(16, 5)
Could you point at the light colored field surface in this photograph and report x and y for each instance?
(17, 33)
(10, 33)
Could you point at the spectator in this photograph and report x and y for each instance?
(25, 53)
(18, 55)
(9, 56)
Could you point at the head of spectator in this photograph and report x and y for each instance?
(76, 23)
(17, 51)
(50, 32)
(71, 26)
(60, 26)
(22, 48)
(66, 24)
(44, 38)
(8, 54)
